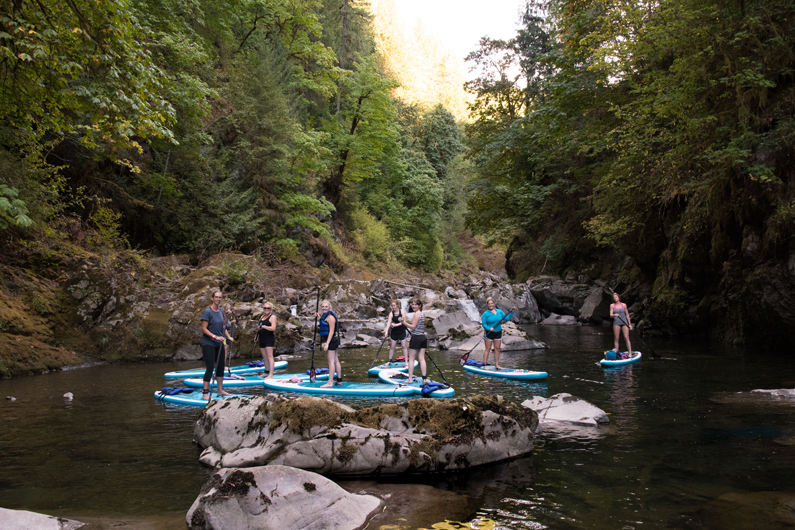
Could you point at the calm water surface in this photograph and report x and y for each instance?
(668, 457)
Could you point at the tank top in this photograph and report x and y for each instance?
(323, 326)
(420, 329)
(265, 333)
(620, 318)
(396, 324)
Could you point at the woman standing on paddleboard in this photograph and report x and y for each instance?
(419, 342)
(621, 322)
(328, 327)
(396, 329)
(267, 336)
(213, 331)
(492, 325)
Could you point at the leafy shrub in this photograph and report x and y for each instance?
(371, 236)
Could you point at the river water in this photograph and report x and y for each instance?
(676, 454)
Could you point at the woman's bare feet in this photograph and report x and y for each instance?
(328, 385)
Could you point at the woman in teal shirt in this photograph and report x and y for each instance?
(492, 320)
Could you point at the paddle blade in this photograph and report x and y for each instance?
(312, 376)
(463, 360)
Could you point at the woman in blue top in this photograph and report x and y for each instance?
(621, 322)
(213, 339)
(491, 320)
(328, 326)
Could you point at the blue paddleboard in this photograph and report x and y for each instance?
(396, 377)
(505, 373)
(193, 398)
(621, 362)
(401, 366)
(249, 380)
(341, 389)
(247, 368)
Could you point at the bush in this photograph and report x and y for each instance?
(371, 236)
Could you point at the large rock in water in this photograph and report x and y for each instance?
(420, 435)
(566, 408)
(277, 497)
(24, 520)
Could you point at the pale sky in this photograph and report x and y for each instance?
(460, 24)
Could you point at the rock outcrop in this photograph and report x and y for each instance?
(565, 408)
(421, 435)
(24, 520)
(263, 498)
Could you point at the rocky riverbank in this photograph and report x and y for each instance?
(89, 308)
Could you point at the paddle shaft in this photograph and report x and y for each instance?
(466, 355)
(379, 351)
(312, 376)
(440, 372)
(653, 353)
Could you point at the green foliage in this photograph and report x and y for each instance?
(107, 223)
(13, 212)
(371, 236)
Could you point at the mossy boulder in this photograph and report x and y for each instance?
(421, 435)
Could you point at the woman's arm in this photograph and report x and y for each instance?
(612, 315)
(415, 321)
(388, 323)
(626, 312)
(207, 332)
(274, 322)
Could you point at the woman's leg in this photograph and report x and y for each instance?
(392, 345)
(208, 352)
(626, 339)
(497, 343)
(423, 367)
(616, 332)
(267, 356)
(412, 354)
(219, 371)
(487, 343)
(405, 345)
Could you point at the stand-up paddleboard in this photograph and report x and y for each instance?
(636, 355)
(396, 377)
(249, 368)
(252, 380)
(188, 396)
(400, 366)
(341, 389)
(506, 373)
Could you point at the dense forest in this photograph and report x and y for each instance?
(650, 137)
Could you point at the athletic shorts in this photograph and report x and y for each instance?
(493, 335)
(334, 345)
(398, 334)
(418, 342)
(265, 341)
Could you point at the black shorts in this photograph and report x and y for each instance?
(265, 341)
(398, 334)
(418, 342)
(333, 345)
(493, 335)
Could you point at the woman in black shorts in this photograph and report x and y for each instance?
(396, 330)
(418, 341)
(328, 326)
(267, 336)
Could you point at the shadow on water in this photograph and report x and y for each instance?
(681, 451)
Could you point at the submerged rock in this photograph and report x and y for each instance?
(277, 497)
(566, 408)
(21, 519)
(421, 435)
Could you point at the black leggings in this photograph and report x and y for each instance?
(210, 353)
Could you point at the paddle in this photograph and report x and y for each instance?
(312, 376)
(654, 354)
(379, 351)
(231, 334)
(213, 382)
(440, 372)
(464, 357)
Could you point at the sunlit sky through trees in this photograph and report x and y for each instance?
(460, 24)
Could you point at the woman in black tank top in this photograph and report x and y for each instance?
(267, 336)
(396, 330)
